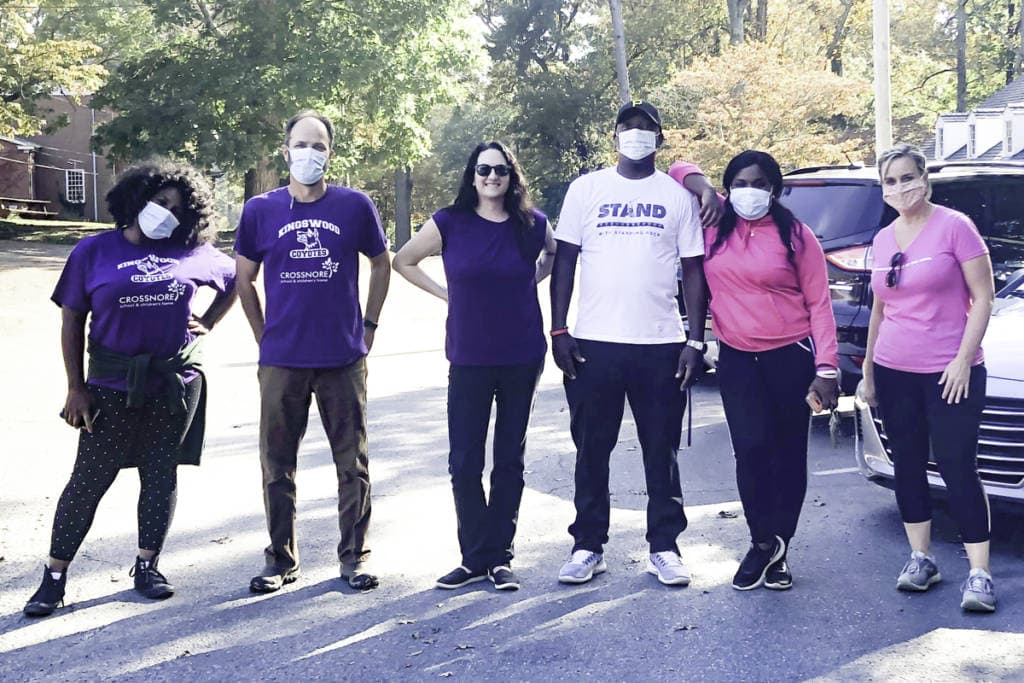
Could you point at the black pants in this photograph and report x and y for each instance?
(645, 374)
(487, 527)
(917, 420)
(763, 395)
(149, 436)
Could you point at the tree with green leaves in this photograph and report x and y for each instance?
(227, 73)
(34, 66)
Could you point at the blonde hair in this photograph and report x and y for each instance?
(901, 151)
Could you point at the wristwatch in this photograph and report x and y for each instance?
(700, 346)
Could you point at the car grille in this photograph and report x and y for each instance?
(1000, 442)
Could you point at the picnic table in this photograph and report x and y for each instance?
(26, 208)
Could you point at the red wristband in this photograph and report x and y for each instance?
(561, 330)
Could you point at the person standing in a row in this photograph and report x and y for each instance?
(313, 339)
(933, 287)
(772, 313)
(142, 403)
(629, 225)
(490, 239)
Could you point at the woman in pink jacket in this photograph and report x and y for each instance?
(771, 311)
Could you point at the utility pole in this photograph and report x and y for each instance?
(619, 32)
(883, 105)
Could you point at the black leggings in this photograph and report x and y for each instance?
(763, 395)
(918, 420)
(148, 437)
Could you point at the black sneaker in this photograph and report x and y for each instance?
(755, 565)
(272, 579)
(778, 576)
(503, 578)
(458, 577)
(49, 596)
(150, 582)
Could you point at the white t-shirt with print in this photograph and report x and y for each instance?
(631, 235)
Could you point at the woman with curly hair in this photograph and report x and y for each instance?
(490, 240)
(142, 402)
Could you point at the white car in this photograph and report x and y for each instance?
(1001, 440)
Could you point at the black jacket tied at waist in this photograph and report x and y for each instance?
(108, 364)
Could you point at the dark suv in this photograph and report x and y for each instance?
(844, 208)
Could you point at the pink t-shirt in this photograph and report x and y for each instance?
(762, 301)
(926, 312)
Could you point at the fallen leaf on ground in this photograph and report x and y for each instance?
(728, 514)
(684, 627)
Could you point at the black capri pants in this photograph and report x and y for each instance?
(918, 421)
(148, 437)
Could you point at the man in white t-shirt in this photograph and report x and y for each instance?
(629, 226)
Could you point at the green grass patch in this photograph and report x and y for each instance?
(53, 232)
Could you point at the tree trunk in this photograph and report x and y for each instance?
(834, 51)
(403, 206)
(263, 177)
(761, 21)
(619, 32)
(737, 14)
(1015, 38)
(961, 55)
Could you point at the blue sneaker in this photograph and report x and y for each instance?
(919, 573)
(978, 593)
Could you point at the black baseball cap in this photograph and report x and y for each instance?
(645, 108)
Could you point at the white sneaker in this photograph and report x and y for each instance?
(669, 568)
(582, 567)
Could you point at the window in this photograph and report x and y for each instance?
(74, 185)
(970, 141)
(940, 151)
(1008, 139)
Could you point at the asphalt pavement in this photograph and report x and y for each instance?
(843, 619)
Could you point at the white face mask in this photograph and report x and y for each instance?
(306, 164)
(156, 222)
(750, 202)
(637, 144)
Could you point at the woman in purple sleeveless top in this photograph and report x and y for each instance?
(141, 402)
(495, 248)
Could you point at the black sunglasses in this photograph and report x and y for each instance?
(484, 170)
(892, 278)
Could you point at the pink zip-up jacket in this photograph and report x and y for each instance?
(759, 299)
(762, 301)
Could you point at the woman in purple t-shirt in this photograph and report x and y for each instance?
(933, 288)
(142, 403)
(495, 249)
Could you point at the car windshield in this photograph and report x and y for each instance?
(834, 210)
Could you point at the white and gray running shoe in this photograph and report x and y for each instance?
(919, 573)
(582, 567)
(669, 568)
(979, 595)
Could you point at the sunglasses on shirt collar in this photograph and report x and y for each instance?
(892, 278)
(484, 170)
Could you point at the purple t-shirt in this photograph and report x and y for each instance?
(139, 296)
(310, 256)
(493, 313)
(925, 314)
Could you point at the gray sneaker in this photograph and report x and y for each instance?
(919, 573)
(582, 567)
(978, 592)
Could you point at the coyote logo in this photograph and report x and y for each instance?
(311, 247)
(151, 270)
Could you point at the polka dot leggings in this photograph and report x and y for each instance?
(147, 438)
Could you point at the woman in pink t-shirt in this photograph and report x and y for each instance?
(771, 311)
(932, 282)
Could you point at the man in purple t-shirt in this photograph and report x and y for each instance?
(313, 339)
